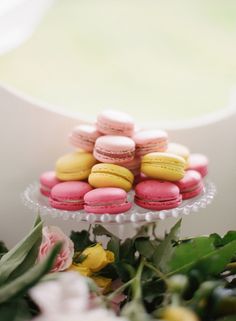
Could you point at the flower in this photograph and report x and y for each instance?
(83, 270)
(92, 315)
(67, 298)
(103, 283)
(96, 258)
(52, 235)
(69, 293)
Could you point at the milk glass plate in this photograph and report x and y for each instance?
(36, 202)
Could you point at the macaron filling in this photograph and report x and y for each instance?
(113, 174)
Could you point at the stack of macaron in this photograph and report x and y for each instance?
(111, 157)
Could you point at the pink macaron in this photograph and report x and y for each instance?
(199, 163)
(84, 137)
(114, 149)
(111, 122)
(69, 195)
(157, 195)
(148, 141)
(47, 181)
(106, 200)
(190, 185)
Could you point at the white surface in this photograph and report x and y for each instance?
(18, 19)
(33, 137)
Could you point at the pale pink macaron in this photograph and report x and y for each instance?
(114, 149)
(47, 181)
(69, 196)
(133, 165)
(148, 141)
(191, 184)
(111, 122)
(199, 163)
(104, 200)
(157, 195)
(84, 137)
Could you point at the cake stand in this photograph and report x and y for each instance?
(36, 202)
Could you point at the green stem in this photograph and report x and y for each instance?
(158, 272)
(136, 285)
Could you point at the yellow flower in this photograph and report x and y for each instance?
(103, 283)
(96, 258)
(179, 314)
(83, 270)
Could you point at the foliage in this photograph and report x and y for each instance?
(190, 278)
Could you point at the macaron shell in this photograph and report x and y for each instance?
(69, 195)
(148, 141)
(191, 184)
(84, 136)
(114, 149)
(157, 195)
(48, 180)
(198, 162)
(110, 175)
(65, 206)
(179, 150)
(163, 166)
(111, 122)
(75, 166)
(193, 193)
(159, 206)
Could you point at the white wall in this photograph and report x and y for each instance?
(33, 137)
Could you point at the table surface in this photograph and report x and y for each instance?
(157, 59)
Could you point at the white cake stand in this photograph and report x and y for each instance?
(36, 202)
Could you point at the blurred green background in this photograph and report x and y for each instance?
(158, 59)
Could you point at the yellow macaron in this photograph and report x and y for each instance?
(179, 150)
(110, 175)
(75, 166)
(164, 166)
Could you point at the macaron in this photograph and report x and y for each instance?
(191, 184)
(180, 150)
(157, 195)
(114, 149)
(47, 181)
(106, 200)
(133, 165)
(74, 166)
(148, 141)
(110, 175)
(69, 196)
(164, 166)
(111, 122)
(199, 163)
(84, 137)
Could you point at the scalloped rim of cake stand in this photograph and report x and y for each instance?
(36, 202)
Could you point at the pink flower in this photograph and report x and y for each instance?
(52, 235)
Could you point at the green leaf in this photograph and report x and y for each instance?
(188, 253)
(127, 251)
(19, 286)
(228, 318)
(217, 239)
(31, 257)
(81, 240)
(164, 252)
(16, 310)
(229, 237)
(100, 230)
(114, 246)
(145, 246)
(16, 256)
(3, 249)
(200, 253)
